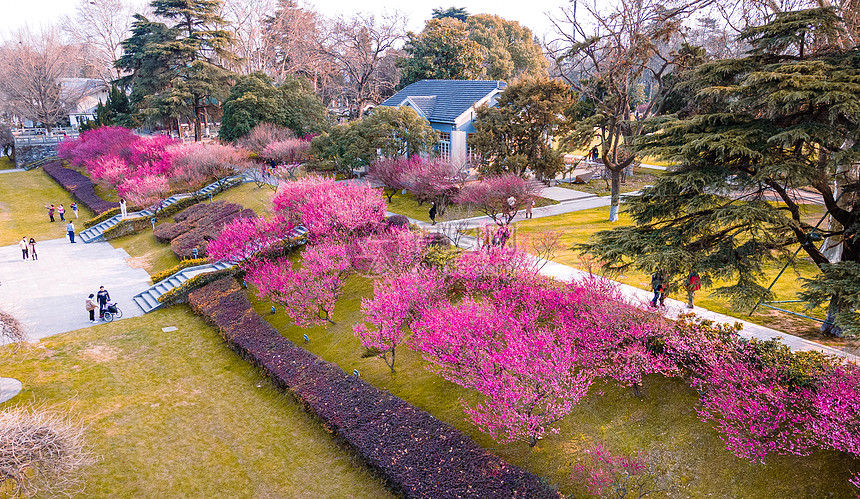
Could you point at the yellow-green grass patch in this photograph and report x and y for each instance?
(179, 414)
(664, 420)
(23, 196)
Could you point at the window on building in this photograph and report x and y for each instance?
(444, 145)
(472, 156)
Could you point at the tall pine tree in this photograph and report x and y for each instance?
(760, 127)
(178, 69)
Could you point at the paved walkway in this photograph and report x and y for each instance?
(47, 295)
(13, 170)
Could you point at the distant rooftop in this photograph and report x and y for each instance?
(442, 101)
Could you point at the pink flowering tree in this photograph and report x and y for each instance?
(197, 165)
(244, 237)
(391, 173)
(499, 197)
(397, 302)
(434, 179)
(330, 209)
(290, 151)
(144, 190)
(308, 292)
(835, 403)
(92, 144)
(530, 377)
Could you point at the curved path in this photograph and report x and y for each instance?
(48, 295)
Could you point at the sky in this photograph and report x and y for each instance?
(531, 13)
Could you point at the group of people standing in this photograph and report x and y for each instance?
(60, 211)
(28, 248)
(70, 227)
(97, 301)
(659, 286)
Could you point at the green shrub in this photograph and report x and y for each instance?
(101, 218)
(184, 264)
(127, 227)
(179, 294)
(442, 257)
(176, 207)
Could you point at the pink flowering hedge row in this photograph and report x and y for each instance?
(198, 224)
(418, 455)
(81, 187)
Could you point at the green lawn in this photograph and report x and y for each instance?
(250, 196)
(23, 196)
(146, 252)
(636, 181)
(179, 414)
(6, 163)
(577, 227)
(664, 420)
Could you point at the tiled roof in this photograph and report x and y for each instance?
(443, 101)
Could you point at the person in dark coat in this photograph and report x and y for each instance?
(102, 297)
(51, 212)
(433, 212)
(658, 285)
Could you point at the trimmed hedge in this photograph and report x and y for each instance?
(418, 455)
(81, 187)
(179, 294)
(102, 217)
(197, 225)
(127, 227)
(176, 207)
(184, 264)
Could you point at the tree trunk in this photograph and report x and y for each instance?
(829, 328)
(615, 196)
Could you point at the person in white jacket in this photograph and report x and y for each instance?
(24, 247)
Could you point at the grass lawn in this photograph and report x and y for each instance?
(23, 196)
(640, 178)
(578, 226)
(179, 414)
(663, 421)
(6, 163)
(250, 196)
(405, 204)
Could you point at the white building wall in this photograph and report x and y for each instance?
(458, 147)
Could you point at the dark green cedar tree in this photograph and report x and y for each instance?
(759, 127)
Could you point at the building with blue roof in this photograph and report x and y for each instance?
(449, 106)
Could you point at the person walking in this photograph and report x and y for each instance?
(91, 307)
(692, 284)
(530, 204)
(70, 228)
(102, 297)
(33, 254)
(75, 210)
(595, 155)
(62, 212)
(433, 212)
(123, 208)
(24, 247)
(658, 285)
(50, 212)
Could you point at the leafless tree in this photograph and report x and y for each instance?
(31, 67)
(362, 48)
(100, 26)
(7, 148)
(291, 41)
(606, 55)
(11, 329)
(456, 221)
(41, 452)
(247, 20)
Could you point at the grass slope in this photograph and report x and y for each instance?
(178, 414)
(663, 421)
(23, 196)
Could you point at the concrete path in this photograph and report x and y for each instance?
(13, 170)
(9, 387)
(47, 295)
(562, 194)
